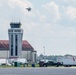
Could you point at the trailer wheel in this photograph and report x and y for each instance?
(67, 65)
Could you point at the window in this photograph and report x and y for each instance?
(12, 45)
(16, 51)
(11, 51)
(17, 30)
(16, 48)
(12, 39)
(10, 30)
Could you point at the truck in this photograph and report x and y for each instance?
(43, 63)
(67, 61)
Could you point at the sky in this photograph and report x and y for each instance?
(50, 27)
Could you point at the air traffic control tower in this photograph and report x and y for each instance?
(15, 40)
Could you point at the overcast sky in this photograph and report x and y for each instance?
(50, 24)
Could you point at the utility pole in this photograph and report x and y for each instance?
(44, 51)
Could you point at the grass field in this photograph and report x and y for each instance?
(29, 65)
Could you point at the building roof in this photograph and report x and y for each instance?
(4, 45)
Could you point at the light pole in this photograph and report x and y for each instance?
(44, 51)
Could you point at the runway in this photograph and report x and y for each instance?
(38, 71)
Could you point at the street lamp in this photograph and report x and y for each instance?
(44, 50)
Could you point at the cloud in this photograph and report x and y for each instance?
(70, 1)
(20, 3)
(13, 10)
(58, 31)
(15, 7)
(67, 1)
(53, 9)
(42, 18)
(71, 12)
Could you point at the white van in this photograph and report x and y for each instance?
(4, 62)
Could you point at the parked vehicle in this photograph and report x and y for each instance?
(46, 63)
(19, 60)
(51, 63)
(4, 62)
(22, 60)
(43, 63)
(67, 61)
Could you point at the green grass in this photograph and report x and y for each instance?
(29, 65)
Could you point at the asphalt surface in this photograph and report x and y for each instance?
(38, 71)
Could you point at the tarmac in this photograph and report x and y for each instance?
(39, 71)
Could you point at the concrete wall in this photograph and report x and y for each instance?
(34, 57)
(4, 54)
(27, 55)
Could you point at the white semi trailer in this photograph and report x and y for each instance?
(67, 61)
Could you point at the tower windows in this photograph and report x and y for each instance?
(16, 51)
(16, 48)
(12, 45)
